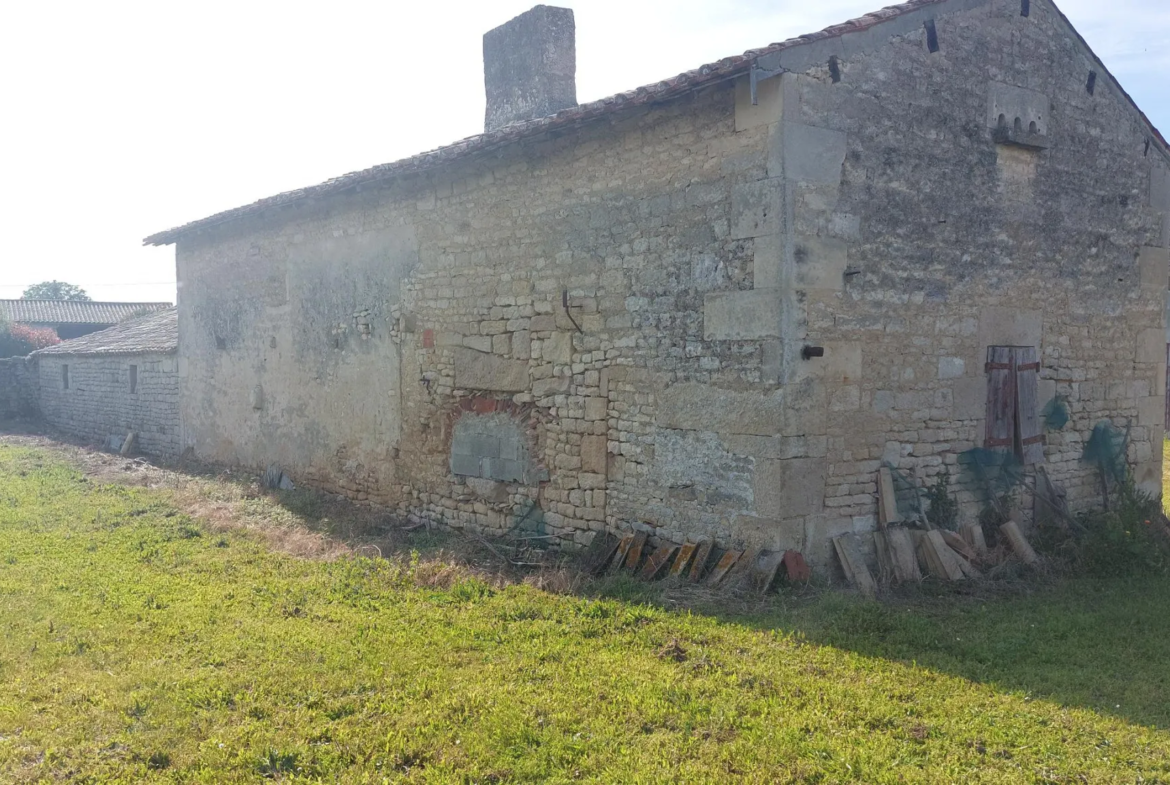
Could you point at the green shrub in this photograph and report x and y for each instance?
(1123, 539)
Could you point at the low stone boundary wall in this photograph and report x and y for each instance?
(18, 398)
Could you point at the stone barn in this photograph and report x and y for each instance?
(713, 306)
(115, 381)
(74, 318)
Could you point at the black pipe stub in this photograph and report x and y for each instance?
(810, 352)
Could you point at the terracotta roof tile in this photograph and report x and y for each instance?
(156, 333)
(73, 311)
(727, 68)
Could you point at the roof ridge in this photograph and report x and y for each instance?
(82, 302)
(688, 81)
(152, 333)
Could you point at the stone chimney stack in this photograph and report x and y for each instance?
(530, 66)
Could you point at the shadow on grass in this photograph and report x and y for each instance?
(1102, 645)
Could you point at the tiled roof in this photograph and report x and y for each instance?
(156, 333)
(711, 73)
(73, 311)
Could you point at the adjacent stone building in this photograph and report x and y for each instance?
(74, 318)
(115, 381)
(713, 306)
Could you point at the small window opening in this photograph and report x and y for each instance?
(931, 36)
(1019, 125)
(64, 377)
(1033, 128)
(1147, 152)
(1003, 121)
(133, 379)
(835, 69)
(1091, 85)
(1026, 7)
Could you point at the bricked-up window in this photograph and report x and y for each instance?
(64, 377)
(1013, 411)
(133, 379)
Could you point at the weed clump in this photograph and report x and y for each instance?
(1129, 537)
(943, 511)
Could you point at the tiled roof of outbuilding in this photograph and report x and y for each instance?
(711, 73)
(73, 311)
(156, 333)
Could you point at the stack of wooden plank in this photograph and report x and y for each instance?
(701, 562)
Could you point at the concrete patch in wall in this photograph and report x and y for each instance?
(774, 535)
(789, 489)
(1010, 327)
(492, 447)
(821, 263)
(477, 371)
(741, 316)
(813, 155)
(1154, 268)
(696, 460)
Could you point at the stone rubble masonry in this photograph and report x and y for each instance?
(99, 404)
(18, 398)
(639, 293)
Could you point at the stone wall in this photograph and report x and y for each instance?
(638, 295)
(17, 389)
(99, 401)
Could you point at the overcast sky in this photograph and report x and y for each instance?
(125, 118)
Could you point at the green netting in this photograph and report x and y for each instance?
(1106, 449)
(1056, 413)
(994, 472)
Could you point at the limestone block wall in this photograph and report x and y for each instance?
(17, 388)
(98, 400)
(710, 318)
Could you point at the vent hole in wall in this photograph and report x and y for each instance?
(835, 69)
(1147, 150)
(1091, 85)
(1026, 7)
(931, 36)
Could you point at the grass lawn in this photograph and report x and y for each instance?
(138, 645)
